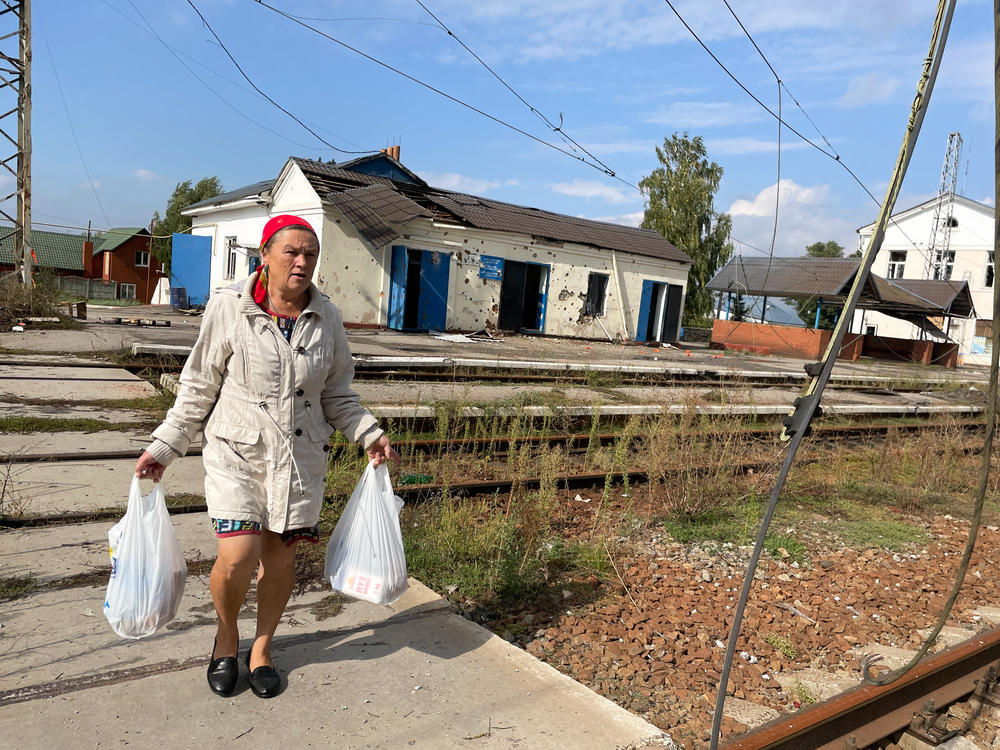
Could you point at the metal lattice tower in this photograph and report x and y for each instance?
(939, 245)
(15, 99)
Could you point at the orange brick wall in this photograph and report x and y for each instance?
(790, 341)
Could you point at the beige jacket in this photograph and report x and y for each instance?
(267, 408)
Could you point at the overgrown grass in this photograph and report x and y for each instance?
(781, 644)
(14, 587)
(514, 547)
(19, 425)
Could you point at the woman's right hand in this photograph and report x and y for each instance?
(148, 467)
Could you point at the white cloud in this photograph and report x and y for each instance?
(868, 88)
(592, 189)
(705, 114)
(633, 219)
(988, 201)
(144, 174)
(462, 183)
(791, 194)
(87, 185)
(805, 215)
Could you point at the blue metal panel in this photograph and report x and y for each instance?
(543, 296)
(490, 267)
(191, 266)
(397, 287)
(382, 167)
(644, 312)
(432, 310)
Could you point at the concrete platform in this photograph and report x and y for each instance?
(72, 411)
(57, 552)
(76, 486)
(21, 445)
(76, 383)
(414, 675)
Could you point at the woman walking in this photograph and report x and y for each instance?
(267, 382)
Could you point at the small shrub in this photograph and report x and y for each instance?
(14, 587)
(781, 644)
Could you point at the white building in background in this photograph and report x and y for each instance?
(905, 255)
(399, 253)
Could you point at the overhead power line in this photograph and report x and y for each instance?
(76, 140)
(456, 100)
(832, 154)
(150, 29)
(256, 88)
(557, 129)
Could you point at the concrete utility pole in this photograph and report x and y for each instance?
(15, 76)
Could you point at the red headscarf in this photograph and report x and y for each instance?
(280, 222)
(274, 225)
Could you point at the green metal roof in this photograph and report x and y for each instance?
(52, 249)
(109, 239)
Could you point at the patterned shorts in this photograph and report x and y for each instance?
(227, 527)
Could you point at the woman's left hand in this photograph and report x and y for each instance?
(380, 451)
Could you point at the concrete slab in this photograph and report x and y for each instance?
(76, 383)
(416, 675)
(990, 614)
(949, 636)
(74, 411)
(892, 657)
(75, 486)
(55, 552)
(26, 444)
(748, 714)
(820, 684)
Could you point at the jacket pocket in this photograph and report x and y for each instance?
(239, 447)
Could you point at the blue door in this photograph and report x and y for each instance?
(397, 287)
(645, 310)
(418, 289)
(432, 309)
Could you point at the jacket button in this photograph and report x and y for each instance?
(299, 392)
(298, 432)
(301, 350)
(307, 404)
(326, 448)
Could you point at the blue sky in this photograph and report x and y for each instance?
(622, 75)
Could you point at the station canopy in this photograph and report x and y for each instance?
(830, 280)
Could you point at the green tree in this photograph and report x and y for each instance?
(806, 308)
(680, 196)
(172, 220)
(828, 249)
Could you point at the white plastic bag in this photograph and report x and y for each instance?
(147, 566)
(364, 557)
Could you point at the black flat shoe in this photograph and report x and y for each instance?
(264, 681)
(223, 673)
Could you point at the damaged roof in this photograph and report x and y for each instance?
(830, 280)
(331, 181)
(371, 208)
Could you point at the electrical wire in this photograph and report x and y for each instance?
(438, 91)
(256, 88)
(557, 129)
(832, 154)
(373, 18)
(150, 29)
(76, 140)
(808, 403)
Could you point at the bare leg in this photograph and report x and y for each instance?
(274, 585)
(229, 583)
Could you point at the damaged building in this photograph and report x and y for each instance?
(396, 252)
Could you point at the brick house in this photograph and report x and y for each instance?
(118, 257)
(124, 255)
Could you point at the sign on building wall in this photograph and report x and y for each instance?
(490, 267)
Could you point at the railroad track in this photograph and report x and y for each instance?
(593, 376)
(868, 714)
(575, 444)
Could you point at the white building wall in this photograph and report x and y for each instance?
(245, 223)
(473, 302)
(971, 242)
